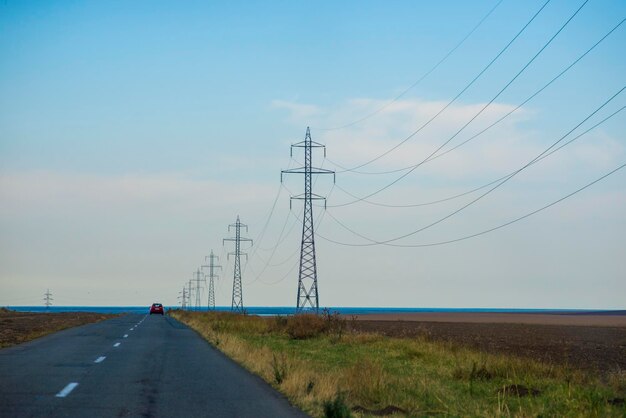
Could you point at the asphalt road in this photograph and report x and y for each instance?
(131, 366)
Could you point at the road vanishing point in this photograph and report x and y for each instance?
(131, 366)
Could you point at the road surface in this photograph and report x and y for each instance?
(131, 366)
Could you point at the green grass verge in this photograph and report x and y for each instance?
(328, 371)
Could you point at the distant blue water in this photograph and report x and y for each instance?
(284, 310)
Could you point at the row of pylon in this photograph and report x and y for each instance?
(308, 295)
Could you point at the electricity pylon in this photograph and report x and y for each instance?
(189, 295)
(212, 276)
(307, 276)
(198, 276)
(237, 301)
(183, 298)
(47, 300)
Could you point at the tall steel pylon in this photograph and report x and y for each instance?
(308, 297)
(212, 276)
(198, 276)
(237, 302)
(47, 300)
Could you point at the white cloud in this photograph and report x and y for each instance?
(501, 149)
(22, 191)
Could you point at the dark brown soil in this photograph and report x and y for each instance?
(19, 327)
(590, 348)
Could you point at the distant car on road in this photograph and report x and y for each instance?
(156, 308)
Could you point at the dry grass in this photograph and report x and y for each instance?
(314, 362)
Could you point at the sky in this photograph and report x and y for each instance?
(133, 133)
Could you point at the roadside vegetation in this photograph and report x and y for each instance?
(20, 327)
(328, 370)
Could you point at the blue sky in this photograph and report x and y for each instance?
(133, 133)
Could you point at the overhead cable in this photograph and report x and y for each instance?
(412, 86)
(566, 69)
(432, 244)
(493, 60)
(384, 242)
(474, 117)
(446, 199)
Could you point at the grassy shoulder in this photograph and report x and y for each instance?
(327, 370)
(20, 327)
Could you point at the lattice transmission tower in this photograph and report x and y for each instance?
(198, 276)
(47, 300)
(212, 276)
(308, 297)
(189, 294)
(183, 298)
(237, 301)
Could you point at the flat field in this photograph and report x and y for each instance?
(592, 342)
(338, 367)
(19, 327)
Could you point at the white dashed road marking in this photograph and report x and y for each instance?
(125, 335)
(116, 344)
(100, 359)
(66, 390)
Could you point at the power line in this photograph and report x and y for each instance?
(289, 257)
(476, 115)
(433, 68)
(432, 244)
(258, 276)
(226, 270)
(487, 184)
(259, 238)
(281, 238)
(282, 235)
(287, 274)
(565, 70)
(261, 235)
(386, 242)
(267, 262)
(493, 60)
(318, 222)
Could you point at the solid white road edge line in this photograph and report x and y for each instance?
(66, 390)
(100, 359)
(116, 344)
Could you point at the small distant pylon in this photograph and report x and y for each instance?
(47, 300)
(212, 276)
(308, 297)
(189, 295)
(198, 277)
(237, 301)
(183, 298)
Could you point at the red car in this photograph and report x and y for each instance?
(156, 308)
